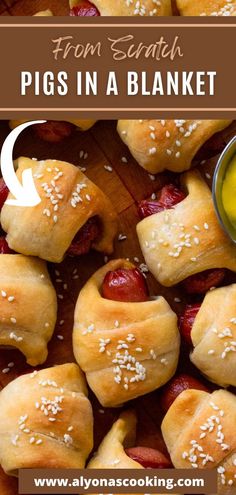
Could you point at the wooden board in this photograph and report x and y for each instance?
(125, 185)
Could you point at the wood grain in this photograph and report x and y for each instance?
(3, 8)
(29, 7)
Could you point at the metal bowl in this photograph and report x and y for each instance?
(219, 175)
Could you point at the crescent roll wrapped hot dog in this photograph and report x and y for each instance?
(213, 336)
(117, 449)
(46, 420)
(126, 349)
(159, 145)
(186, 239)
(69, 200)
(199, 433)
(28, 306)
(121, 8)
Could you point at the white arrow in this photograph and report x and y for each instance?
(26, 193)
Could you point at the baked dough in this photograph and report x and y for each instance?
(186, 239)
(111, 452)
(28, 306)
(82, 125)
(46, 420)
(109, 335)
(199, 431)
(207, 7)
(69, 199)
(44, 13)
(214, 336)
(158, 145)
(131, 7)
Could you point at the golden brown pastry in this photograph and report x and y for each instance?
(68, 200)
(130, 7)
(126, 349)
(199, 433)
(214, 8)
(158, 145)
(111, 453)
(82, 125)
(186, 239)
(214, 336)
(28, 306)
(46, 420)
(43, 13)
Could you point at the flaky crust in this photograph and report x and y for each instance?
(68, 200)
(159, 145)
(131, 8)
(207, 7)
(29, 439)
(199, 431)
(28, 306)
(108, 333)
(186, 239)
(83, 125)
(214, 336)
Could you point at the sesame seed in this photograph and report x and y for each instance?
(152, 150)
(108, 168)
(5, 371)
(152, 177)
(122, 237)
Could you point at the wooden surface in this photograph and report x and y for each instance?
(30, 7)
(125, 185)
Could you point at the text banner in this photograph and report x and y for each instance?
(117, 67)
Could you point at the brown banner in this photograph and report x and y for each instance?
(117, 67)
(67, 481)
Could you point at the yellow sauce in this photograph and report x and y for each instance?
(229, 192)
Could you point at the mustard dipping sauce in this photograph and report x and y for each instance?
(229, 192)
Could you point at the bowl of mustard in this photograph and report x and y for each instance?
(224, 189)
